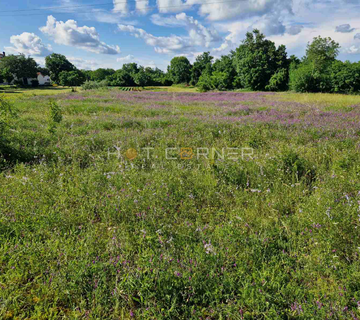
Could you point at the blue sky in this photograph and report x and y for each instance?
(108, 33)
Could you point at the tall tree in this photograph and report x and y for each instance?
(201, 64)
(56, 63)
(180, 70)
(72, 78)
(322, 51)
(226, 65)
(18, 68)
(257, 59)
(101, 74)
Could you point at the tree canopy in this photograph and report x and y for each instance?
(56, 63)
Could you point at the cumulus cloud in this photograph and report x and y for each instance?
(241, 9)
(344, 28)
(198, 35)
(28, 44)
(166, 6)
(84, 64)
(270, 25)
(126, 59)
(143, 62)
(120, 6)
(70, 34)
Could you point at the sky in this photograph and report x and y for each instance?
(108, 33)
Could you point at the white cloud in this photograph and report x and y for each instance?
(241, 9)
(84, 64)
(28, 44)
(120, 6)
(166, 6)
(270, 25)
(143, 62)
(70, 34)
(198, 35)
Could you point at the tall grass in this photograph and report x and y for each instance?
(87, 233)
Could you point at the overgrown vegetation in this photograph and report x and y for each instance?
(268, 231)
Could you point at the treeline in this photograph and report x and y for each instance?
(257, 64)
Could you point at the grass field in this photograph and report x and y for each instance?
(108, 214)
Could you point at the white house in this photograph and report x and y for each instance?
(43, 80)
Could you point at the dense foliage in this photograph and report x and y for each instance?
(257, 64)
(57, 63)
(18, 69)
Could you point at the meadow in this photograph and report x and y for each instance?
(180, 205)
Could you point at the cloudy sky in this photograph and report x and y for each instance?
(109, 33)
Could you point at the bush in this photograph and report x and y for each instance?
(279, 81)
(205, 83)
(55, 116)
(306, 78)
(345, 77)
(7, 112)
(91, 85)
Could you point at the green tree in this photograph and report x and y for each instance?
(180, 70)
(202, 62)
(6, 75)
(120, 78)
(101, 74)
(72, 78)
(257, 59)
(321, 52)
(44, 71)
(313, 74)
(142, 78)
(345, 77)
(57, 63)
(226, 65)
(19, 67)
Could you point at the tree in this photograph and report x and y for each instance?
(257, 59)
(131, 68)
(322, 52)
(180, 70)
(142, 78)
(226, 65)
(18, 68)
(56, 63)
(120, 78)
(44, 71)
(72, 78)
(345, 77)
(6, 75)
(314, 73)
(202, 62)
(101, 74)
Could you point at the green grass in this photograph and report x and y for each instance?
(86, 233)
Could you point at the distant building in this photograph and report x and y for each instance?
(43, 80)
(2, 55)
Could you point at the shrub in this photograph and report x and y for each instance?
(306, 78)
(7, 112)
(279, 81)
(205, 83)
(345, 77)
(55, 116)
(91, 85)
